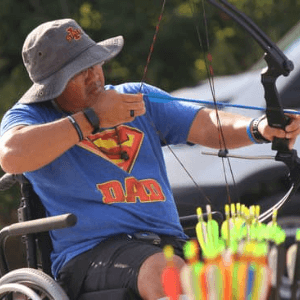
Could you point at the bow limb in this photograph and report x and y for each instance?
(278, 63)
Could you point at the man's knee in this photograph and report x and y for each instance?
(149, 278)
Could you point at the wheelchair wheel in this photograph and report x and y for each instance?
(16, 290)
(42, 284)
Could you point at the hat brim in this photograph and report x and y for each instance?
(54, 85)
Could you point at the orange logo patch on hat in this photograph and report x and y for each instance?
(73, 34)
(108, 144)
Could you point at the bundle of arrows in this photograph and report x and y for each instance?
(241, 258)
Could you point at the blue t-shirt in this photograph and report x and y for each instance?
(109, 195)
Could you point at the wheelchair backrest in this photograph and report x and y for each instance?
(38, 245)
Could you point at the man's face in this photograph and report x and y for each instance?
(83, 90)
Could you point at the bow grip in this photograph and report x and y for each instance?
(274, 111)
(279, 144)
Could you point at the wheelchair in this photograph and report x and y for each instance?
(35, 281)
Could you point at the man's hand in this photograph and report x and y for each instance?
(114, 109)
(291, 131)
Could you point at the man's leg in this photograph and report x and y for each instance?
(122, 262)
(149, 277)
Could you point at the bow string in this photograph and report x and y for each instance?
(162, 138)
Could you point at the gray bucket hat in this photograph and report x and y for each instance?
(56, 51)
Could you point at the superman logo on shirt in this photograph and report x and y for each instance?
(110, 143)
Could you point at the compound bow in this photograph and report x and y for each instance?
(277, 64)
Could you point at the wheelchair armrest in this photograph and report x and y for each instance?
(34, 226)
(39, 225)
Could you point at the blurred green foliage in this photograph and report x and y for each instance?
(178, 58)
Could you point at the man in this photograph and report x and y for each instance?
(94, 151)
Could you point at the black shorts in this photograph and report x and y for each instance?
(115, 263)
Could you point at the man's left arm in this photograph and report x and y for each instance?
(205, 129)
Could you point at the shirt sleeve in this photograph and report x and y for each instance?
(26, 114)
(172, 119)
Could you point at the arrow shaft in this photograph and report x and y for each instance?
(153, 97)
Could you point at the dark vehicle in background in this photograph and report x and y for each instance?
(259, 182)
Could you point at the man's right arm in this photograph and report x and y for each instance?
(28, 148)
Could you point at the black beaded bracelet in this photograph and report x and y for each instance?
(76, 126)
(93, 119)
